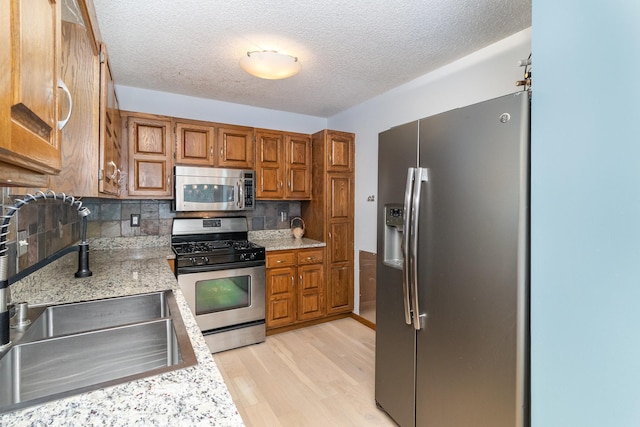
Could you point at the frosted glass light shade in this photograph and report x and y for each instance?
(269, 64)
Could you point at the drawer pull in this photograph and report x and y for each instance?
(280, 261)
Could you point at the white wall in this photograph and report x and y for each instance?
(585, 214)
(170, 104)
(483, 75)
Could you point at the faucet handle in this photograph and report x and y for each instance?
(19, 310)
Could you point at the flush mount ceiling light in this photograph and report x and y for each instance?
(269, 64)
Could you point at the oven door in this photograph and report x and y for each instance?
(224, 298)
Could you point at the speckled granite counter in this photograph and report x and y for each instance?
(279, 240)
(193, 396)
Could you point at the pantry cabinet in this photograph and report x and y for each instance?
(283, 165)
(295, 286)
(329, 215)
(31, 91)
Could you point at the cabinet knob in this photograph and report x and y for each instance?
(279, 261)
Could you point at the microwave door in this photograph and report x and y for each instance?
(198, 195)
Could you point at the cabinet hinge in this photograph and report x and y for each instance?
(102, 57)
(100, 174)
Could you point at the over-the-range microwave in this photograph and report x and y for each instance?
(201, 188)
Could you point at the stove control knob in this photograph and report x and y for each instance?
(193, 261)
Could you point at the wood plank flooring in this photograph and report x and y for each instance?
(322, 375)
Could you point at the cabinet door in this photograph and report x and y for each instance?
(235, 147)
(196, 144)
(280, 296)
(340, 196)
(30, 55)
(340, 152)
(340, 288)
(149, 157)
(269, 165)
(298, 166)
(310, 291)
(111, 156)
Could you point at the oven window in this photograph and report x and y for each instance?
(208, 193)
(213, 295)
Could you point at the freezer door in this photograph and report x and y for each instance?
(472, 266)
(395, 339)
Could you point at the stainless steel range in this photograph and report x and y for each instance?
(222, 276)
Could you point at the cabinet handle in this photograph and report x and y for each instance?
(63, 123)
(220, 152)
(281, 184)
(291, 281)
(301, 279)
(279, 261)
(289, 184)
(115, 169)
(310, 258)
(168, 181)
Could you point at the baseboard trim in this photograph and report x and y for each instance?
(364, 321)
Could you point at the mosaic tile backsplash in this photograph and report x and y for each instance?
(52, 225)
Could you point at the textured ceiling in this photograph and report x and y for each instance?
(350, 51)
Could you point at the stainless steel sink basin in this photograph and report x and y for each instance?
(78, 317)
(67, 359)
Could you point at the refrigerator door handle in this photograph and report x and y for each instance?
(406, 227)
(421, 175)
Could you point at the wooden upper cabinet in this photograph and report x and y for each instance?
(283, 164)
(235, 147)
(111, 152)
(298, 166)
(340, 152)
(195, 144)
(269, 165)
(150, 156)
(30, 46)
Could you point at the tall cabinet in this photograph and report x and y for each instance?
(329, 215)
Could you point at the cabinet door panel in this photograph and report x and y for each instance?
(29, 135)
(340, 242)
(341, 155)
(340, 288)
(269, 167)
(235, 146)
(150, 156)
(298, 166)
(195, 144)
(150, 175)
(340, 196)
(280, 297)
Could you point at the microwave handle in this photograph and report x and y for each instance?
(240, 201)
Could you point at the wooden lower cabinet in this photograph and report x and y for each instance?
(295, 286)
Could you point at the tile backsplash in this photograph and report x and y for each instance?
(52, 225)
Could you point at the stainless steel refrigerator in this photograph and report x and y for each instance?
(453, 267)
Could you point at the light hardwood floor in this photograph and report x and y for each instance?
(321, 375)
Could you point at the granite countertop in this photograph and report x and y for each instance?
(194, 396)
(279, 240)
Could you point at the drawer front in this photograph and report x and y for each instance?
(310, 256)
(280, 259)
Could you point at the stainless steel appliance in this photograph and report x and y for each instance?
(201, 188)
(222, 276)
(452, 267)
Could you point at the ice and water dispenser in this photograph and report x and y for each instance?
(393, 231)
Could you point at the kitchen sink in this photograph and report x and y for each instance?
(71, 351)
(85, 316)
